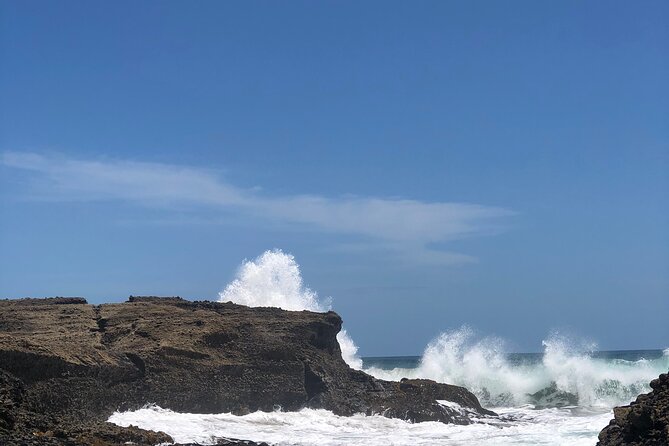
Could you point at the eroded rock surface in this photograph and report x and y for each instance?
(63, 361)
(645, 422)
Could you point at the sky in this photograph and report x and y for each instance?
(503, 165)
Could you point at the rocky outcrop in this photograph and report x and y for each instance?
(645, 422)
(63, 361)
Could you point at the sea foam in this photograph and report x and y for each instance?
(549, 427)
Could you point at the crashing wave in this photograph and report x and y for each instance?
(274, 280)
(565, 374)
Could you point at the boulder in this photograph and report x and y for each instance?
(645, 422)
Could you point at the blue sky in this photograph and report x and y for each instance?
(429, 164)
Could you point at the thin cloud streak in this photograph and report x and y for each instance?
(149, 183)
(406, 225)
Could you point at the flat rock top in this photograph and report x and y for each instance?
(80, 333)
(68, 331)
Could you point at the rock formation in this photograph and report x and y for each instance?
(65, 366)
(645, 422)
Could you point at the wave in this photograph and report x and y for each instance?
(567, 374)
(273, 280)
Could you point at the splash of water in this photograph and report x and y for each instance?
(349, 351)
(273, 280)
(567, 373)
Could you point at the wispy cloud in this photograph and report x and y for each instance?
(400, 225)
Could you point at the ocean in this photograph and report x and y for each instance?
(563, 395)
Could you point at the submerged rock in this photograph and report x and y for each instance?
(551, 396)
(645, 422)
(63, 361)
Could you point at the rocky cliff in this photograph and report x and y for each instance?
(645, 422)
(66, 363)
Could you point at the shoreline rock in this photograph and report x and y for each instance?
(644, 422)
(63, 361)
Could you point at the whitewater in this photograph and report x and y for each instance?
(563, 396)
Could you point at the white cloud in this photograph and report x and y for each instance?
(400, 225)
(150, 183)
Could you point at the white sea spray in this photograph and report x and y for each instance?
(273, 280)
(483, 367)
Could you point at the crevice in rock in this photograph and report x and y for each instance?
(138, 362)
(99, 320)
(313, 384)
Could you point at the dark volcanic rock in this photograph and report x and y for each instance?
(645, 422)
(63, 361)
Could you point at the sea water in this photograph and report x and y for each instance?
(561, 396)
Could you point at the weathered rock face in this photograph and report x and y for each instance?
(65, 361)
(645, 422)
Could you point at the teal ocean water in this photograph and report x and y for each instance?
(411, 362)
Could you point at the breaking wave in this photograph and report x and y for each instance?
(274, 280)
(566, 374)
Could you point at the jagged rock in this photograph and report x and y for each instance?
(63, 361)
(645, 422)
